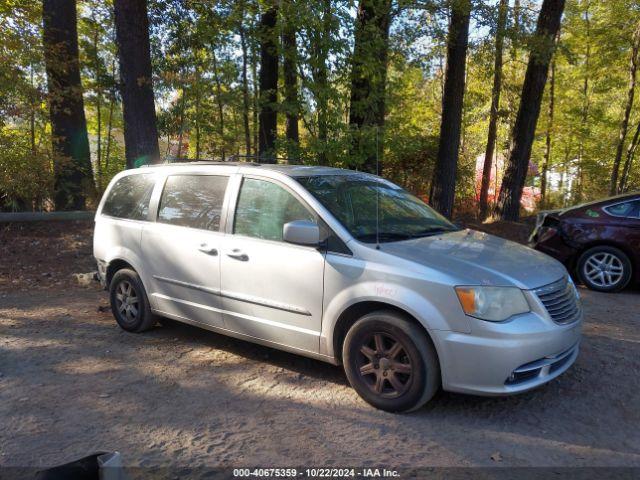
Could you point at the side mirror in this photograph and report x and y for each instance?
(301, 232)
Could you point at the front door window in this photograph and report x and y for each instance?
(264, 208)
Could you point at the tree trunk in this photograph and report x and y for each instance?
(71, 154)
(547, 150)
(495, 106)
(268, 116)
(444, 179)
(216, 76)
(183, 102)
(112, 102)
(320, 40)
(516, 35)
(290, 75)
(32, 112)
(532, 91)
(631, 151)
(256, 95)
(624, 126)
(463, 124)
(136, 85)
(197, 113)
(441, 61)
(517, 12)
(236, 127)
(586, 104)
(564, 181)
(245, 88)
(96, 66)
(107, 150)
(368, 81)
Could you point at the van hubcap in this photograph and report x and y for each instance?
(384, 365)
(603, 269)
(127, 301)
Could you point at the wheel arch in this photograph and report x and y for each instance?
(354, 312)
(120, 257)
(115, 265)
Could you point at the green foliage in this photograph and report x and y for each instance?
(26, 177)
(198, 57)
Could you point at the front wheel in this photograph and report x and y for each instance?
(604, 269)
(390, 362)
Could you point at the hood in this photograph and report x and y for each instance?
(478, 258)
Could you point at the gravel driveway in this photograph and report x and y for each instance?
(72, 383)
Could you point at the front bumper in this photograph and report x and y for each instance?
(509, 357)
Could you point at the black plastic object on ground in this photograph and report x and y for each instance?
(99, 466)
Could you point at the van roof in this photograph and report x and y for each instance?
(290, 170)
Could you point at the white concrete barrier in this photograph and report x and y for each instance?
(44, 216)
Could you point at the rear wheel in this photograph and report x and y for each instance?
(129, 302)
(390, 362)
(605, 269)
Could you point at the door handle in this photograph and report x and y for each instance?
(238, 255)
(204, 248)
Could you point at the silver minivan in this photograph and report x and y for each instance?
(337, 265)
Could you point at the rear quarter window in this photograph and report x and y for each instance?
(129, 197)
(627, 209)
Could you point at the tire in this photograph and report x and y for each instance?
(618, 269)
(410, 361)
(129, 302)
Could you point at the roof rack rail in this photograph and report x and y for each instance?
(253, 160)
(186, 161)
(257, 158)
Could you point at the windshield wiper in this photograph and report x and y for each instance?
(384, 237)
(431, 231)
(399, 236)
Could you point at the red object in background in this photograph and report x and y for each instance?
(530, 195)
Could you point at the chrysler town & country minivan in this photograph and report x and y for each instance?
(342, 266)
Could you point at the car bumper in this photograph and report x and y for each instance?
(552, 243)
(507, 358)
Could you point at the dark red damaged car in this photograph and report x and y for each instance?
(598, 241)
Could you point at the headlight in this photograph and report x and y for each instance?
(494, 304)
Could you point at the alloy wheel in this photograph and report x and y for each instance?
(384, 365)
(603, 269)
(127, 301)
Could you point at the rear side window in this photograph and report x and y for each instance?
(628, 209)
(129, 197)
(193, 201)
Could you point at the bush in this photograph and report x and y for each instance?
(26, 175)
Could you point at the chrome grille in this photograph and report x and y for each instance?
(560, 300)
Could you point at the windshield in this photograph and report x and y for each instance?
(372, 208)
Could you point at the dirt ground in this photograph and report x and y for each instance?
(72, 383)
